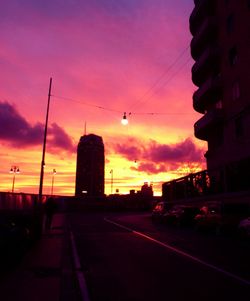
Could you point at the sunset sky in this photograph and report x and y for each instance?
(106, 57)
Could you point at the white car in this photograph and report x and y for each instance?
(244, 227)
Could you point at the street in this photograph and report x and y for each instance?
(125, 256)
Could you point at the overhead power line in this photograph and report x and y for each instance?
(117, 111)
(140, 100)
(86, 103)
(151, 91)
(166, 82)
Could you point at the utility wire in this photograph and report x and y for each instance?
(139, 101)
(165, 83)
(86, 103)
(112, 110)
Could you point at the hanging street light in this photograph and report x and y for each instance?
(124, 120)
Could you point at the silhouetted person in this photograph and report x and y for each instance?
(49, 209)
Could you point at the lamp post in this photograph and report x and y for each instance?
(52, 184)
(44, 146)
(14, 169)
(38, 213)
(111, 172)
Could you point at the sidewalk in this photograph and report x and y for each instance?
(45, 272)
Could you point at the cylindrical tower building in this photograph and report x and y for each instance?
(90, 166)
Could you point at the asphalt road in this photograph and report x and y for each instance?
(127, 257)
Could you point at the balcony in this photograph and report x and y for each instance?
(207, 94)
(204, 126)
(208, 61)
(202, 9)
(206, 33)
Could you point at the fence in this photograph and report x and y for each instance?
(17, 201)
(227, 180)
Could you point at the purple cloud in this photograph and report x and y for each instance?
(156, 158)
(183, 151)
(17, 132)
(129, 152)
(59, 139)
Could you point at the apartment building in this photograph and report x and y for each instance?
(220, 48)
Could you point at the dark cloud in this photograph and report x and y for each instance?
(155, 158)
(181, 152)
(59, 139)
(129, 152)
(17, 132)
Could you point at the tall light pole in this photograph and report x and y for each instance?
(52, 184)
(14, 169)
(44, 146)
(111, 172)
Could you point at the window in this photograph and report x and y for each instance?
(248, 4)
(233, 56)
(230, 23)
(236, 90)
(239, 128)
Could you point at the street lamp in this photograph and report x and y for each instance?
(14, 169)
(52, 184)
(124, 120)
(111, 172)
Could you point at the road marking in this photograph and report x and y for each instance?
(118, 225)
(79, 273)
(182, 253)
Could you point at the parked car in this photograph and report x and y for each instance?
(222, 218)
(208, 218)
(159, 210)
(244, 227)
(182, 215)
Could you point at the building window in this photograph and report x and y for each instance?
(233, 56)
(230, 23)
(248, 4)
(239, 128)
(236, 90)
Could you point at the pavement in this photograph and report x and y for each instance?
(46, 272)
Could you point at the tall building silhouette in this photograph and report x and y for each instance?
(221, 48)
(90, 166)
